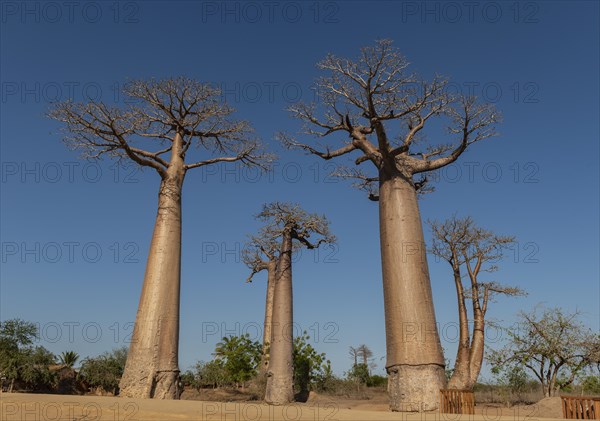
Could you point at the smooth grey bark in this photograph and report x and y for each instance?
(477, 344)
(415, 361)
(364, 98)
(280, 375)
(152, 369)
(462, 244)
(461, 376)
(267, 327)
(172, 114)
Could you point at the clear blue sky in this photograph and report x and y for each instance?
(539, 180)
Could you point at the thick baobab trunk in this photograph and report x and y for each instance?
(415, 362)
(152, 363)
(280, 375)
(264, 359)
(461, 377)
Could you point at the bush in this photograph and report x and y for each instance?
(591, 385)
(377, 381)
(310, 367)
(212, 374)
(237, 359)
(105, 371)
(359, 373)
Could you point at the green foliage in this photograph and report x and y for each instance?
(310, 367)
(448, 369)
(554, 346)
(238, 356)
(591, 384)
(20, 362)
(17, 333)
(512, 384)
(188, 378)
(211, 374)
(517, 380)
(32, 370)
(105, 371)
(359, 373)
(377, 381)
(68, 358)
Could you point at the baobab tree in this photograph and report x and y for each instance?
(365, 353)
(291, 227)
(354, 354)
(381, 110)
(474, 250)
(164, 119)
(262, 253)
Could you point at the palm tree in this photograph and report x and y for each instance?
(68, 358)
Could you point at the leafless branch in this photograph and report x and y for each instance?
(161, 110)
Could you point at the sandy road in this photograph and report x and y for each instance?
(40, 407)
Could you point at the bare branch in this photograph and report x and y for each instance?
(364, 96)
(473, 122)
(291, 143)
(161, 109)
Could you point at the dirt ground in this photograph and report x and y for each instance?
(41, 407)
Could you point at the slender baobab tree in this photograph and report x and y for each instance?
(354, 354)
(365, 353)
(381, 110)
(164, 120)
(262, 253)
(467, 247)
(291, 227)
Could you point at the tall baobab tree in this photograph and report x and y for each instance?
(262, 253)
(381, 110)
(291, 227)
(165, 119)
(467, 247)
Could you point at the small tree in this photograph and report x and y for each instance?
(105, 371)
(474, 250)
(359, 374)
(554, 346)
(310, 366)
(240, 357)
(22, 363)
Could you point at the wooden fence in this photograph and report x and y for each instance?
(581, 407)
(455, 401)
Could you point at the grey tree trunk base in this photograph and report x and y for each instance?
(155, 385)
(166, 385)
(415, 388)
(279, 390)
